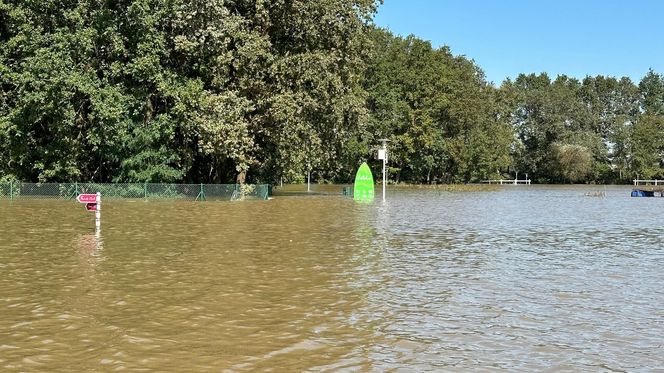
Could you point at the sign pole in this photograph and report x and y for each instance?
(98, 213)
(384, 177)
(382, 154)
(92, 203)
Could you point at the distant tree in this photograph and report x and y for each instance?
(648, 147)
(442, 116)
(571, 162)
(531, 120)
(652, 93)
(613, 104)
(596, 114)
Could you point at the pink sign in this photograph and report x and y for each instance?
(91, 206)
(87, 198)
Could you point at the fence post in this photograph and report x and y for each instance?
(11, 189)
(145, 190)
(75, 193)
(201, 194)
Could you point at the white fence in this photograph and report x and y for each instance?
(507, 181)
(656, 182)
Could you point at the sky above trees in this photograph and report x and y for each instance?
(509, 37)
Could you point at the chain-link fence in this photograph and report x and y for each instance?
(200, 192)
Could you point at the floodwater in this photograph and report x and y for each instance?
(527, 278)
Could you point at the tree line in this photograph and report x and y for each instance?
(225, 91)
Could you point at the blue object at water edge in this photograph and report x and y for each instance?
(642, 193)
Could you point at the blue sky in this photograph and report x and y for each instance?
(507, 37)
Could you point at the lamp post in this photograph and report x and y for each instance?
(382, 154)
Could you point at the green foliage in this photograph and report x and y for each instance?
(597, 114)
(652, 93)
(443, 118)
(571, 162)
(213, 91)
(648, 147)
(179, 91)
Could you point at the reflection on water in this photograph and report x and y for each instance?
(526, 278)
(90, 247)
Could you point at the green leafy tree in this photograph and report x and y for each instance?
(572, 162)
(142, 90)
(652, 93)
(648, 147)
(440, 113)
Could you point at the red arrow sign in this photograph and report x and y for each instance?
(87, 198)
(91, 206)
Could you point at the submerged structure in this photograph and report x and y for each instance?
(645, 188)
(648, 192)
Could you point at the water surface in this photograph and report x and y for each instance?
(527, 278)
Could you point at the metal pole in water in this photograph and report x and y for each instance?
(98, 213)
(384, 178)
(382, 154)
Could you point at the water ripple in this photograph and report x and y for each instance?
(523, 279)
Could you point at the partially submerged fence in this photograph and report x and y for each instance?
(506, 181)
(199, 192)
(646, 182)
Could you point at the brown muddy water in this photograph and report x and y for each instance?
(526, 278)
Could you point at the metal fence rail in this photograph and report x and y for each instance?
(656, 181)
(200, 192)
(506, 181)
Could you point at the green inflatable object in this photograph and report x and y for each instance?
(364, 184)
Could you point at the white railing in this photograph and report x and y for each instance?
(656, 182)
(507, 181)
